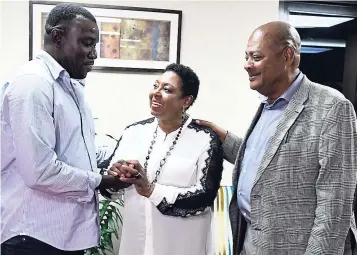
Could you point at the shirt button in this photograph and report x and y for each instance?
(239, 193)
(253, 149)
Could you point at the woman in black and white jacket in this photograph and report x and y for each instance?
(175, 166)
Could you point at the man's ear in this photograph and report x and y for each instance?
(289, 55)
(57, 35)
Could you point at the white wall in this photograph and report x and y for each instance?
(214, 36)
(2, 49)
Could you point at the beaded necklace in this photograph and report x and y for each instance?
(168, 153)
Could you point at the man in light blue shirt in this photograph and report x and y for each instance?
(49, 175)
(294, 176)
(258, 141)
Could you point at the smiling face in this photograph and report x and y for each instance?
(265, 63)
(166, 100)
(78, 51)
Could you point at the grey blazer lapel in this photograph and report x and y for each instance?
(290, 114)
(242, 148)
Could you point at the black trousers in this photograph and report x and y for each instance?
(25, 245)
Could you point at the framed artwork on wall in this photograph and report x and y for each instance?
(130, 38)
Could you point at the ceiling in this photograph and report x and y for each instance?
(323, 64)
(338, 32)
(327, 9)
(347, 3)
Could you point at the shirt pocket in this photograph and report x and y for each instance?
(179, 172)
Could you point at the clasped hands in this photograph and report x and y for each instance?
(130, 171)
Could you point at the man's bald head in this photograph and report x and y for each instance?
(273, 58)
(278, 35)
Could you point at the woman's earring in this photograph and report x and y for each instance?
(183, 114)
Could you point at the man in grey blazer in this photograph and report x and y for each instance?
(295, 170)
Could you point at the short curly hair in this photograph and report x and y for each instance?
(190, 83)
(64, 13)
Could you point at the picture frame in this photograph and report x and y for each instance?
(130, 38)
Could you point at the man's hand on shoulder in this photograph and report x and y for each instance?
(219, 131)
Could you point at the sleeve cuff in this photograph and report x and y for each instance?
(93, 183)
(156, 196)
(94, 179)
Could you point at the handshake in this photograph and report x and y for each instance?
(124, 173)
(126, 170)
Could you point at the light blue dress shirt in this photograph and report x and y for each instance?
(258, 141)
(48, 158)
